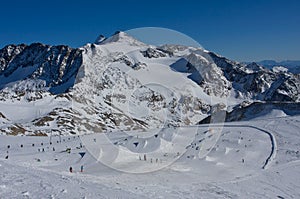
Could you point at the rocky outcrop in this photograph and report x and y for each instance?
(256, 82)
(62, 90)
(258, 109)
(56, 65)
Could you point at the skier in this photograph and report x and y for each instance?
(71, 169)
(81, 168)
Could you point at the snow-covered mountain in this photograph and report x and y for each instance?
(259, 111)
(122, 83)
(288, 65)
(257, 82)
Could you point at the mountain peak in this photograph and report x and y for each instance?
(100, 39)
(121, 37)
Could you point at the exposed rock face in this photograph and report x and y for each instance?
(8, 53)
(211, 77)
(153, 53)
(258, 109)
(56, 65)
(120, 83)
(259, 83)
(100, 39)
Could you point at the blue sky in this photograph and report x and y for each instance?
(240, 30)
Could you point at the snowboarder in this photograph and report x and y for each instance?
(71, 169)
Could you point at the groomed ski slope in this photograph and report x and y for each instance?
(257, 159)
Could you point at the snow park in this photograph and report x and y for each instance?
(145, 113)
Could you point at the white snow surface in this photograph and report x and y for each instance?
(257, 159)
(135, 98)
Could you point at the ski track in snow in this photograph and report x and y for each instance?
(22, 177)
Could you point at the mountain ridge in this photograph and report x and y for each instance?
(292, 66)
(122, 83)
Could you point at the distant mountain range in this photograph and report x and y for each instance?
(292, 66)
(120, 83)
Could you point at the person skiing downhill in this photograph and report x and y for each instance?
(71, 169)
(81, 168)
